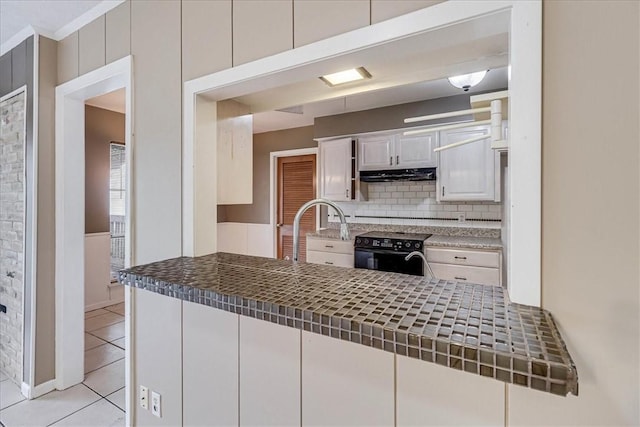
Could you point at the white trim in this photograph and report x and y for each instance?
(21, 36)
(34, 205)
(525, 153)
(87, 17)
(69, 209)
(273, 193)
(17, 92)
(37, 391)
(524, 108)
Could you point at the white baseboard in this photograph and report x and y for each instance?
(103, 304)
(37, 391)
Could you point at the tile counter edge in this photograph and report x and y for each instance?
(500, 348)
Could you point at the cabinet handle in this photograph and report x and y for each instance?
(443, 191)
(328, 246)
(460, 257)
(460, 278)
(390, 160)
(397, 160)
(328, 262)
(347, 193)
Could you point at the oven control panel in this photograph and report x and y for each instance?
(398, 245)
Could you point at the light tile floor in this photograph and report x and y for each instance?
(98, 401)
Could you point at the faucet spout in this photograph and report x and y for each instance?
(424, 259)
(344, 228)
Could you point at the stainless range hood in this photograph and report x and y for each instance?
(388, 175)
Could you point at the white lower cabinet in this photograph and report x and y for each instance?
(433, 395)
(269, 374)
(327, 251)
(345, 384)
(210, 366)
(466, 265)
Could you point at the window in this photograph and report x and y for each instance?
(117, 181)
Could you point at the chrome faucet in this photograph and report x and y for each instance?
(344, 228)
(421, 255)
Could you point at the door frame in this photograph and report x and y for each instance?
(70, 216)
(273, 188)
(525, 117)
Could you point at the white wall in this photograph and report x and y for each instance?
(246, 239)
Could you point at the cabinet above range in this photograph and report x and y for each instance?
(396, 151)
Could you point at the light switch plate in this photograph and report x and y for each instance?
(144, 397)
(156, 404)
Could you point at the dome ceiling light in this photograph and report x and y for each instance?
(467, 81)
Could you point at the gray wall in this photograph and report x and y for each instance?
(391, 117)
(101, 127)
(263, 145)
(16, 70)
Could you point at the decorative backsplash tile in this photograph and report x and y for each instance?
(412, 203)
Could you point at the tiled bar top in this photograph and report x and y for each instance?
(467, 327)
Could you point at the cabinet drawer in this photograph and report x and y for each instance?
(464, 257)
(330, 245)
(329, 258)
(466, 274)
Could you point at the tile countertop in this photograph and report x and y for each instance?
(468, 327)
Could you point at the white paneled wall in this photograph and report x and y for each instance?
(407, 203)
(246, 239)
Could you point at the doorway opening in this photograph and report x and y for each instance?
(72, 244)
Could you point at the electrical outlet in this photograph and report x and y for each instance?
(156, 404)
(144, 397)
(462, 217)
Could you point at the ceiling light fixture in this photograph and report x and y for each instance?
(467, 81)
(346, 76)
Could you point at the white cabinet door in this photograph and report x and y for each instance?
(433, 395)
(269, 374)
(235, 154)
(335, 169)
(416, 151)
(376, 152)
(345, 383)
(209, 366)
(467, 172)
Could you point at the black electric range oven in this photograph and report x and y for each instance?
(377, 250)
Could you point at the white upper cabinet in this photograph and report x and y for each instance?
(376, 152)
(235, 154)
(396, 151)
(416, 151)
(468, 172)
(336, 169)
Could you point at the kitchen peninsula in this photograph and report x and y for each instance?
(394, 323)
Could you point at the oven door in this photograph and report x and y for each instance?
(383, 260)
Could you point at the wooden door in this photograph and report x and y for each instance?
(296, 186)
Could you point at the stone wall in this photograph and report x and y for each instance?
(12, 201)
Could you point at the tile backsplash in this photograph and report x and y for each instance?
(412, 203)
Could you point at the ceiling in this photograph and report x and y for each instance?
(304, 115)
(47, 15)
(112, 101)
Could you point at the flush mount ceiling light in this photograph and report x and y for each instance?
(346, 76)
(467, 81)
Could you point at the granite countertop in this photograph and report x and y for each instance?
(474, 328)
(464, 242)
